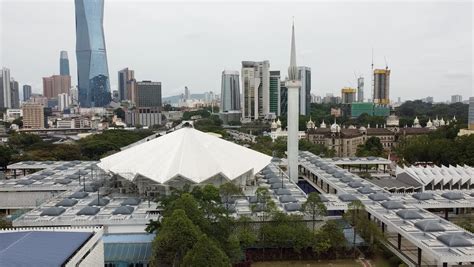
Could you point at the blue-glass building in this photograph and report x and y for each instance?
(92, 69)
(64, 64)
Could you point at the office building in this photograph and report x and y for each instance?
(360, 89)
(256, 89)
(283, 101)
(55, 85)
(456, 98)
(471, 114)
(64, 64)
(304, 75)
(14, 94)
(26, 92)
(275, 84)
(64, 101)
(126, 78)
(33, 116)
(348, 95)
(230, 91)
(148, 94)
(5, 92)
(381, 93)
(143, 117)
(92, 68)
(187, 94)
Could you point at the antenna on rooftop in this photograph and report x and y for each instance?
(386, 64)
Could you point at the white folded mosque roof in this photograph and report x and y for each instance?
(444, 174)
(188, 153)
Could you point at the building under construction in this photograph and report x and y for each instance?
(381, 86)
(348, 95)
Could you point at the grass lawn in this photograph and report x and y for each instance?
(333, 263)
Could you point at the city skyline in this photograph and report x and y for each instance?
(433, 56)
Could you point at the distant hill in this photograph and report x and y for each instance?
(175, 99)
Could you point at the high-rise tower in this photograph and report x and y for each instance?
(293, 84)
(126, 83)
(255, 89)
(5, 91)
(92, 69)
(64, 64)
(360, 89)
(304, 75)
(381, 86)
(230, 91)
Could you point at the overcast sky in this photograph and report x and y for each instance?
(428, 45)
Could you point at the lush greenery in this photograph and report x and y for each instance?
(442, 146)
(23, 146)
(265, 145)
(372, 147)
(196, 229)
(408, 110)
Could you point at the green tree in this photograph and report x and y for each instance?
(176, 237)
(228, 191)
(314, 207)
(329, 238)
(205, 253)
(6, 155)
(120, 113)
(372, 147)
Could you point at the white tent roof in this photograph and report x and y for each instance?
(444, 174)
(187, 152)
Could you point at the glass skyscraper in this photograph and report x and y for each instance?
(92, 69)
(64, 64)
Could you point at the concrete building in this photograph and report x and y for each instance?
(26, 92)
(187, 94)
(126, 84)
(33, 116)
(14, 94)
(148, 94)
(304, 76)
(360, 89)
(381, 93)
(255, 89)
(456, 98)
(143, 116)
(12, 114)
(5, 92)
(55, 85)
(64, 101)
(64, 64)
(348, 95)
(230, 91)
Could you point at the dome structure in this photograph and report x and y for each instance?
(362, 129)
(322, 125)
(310, 124)
(335, 128)
(278, 122)
(429, 124)
(416, 123)
(442, 122)
(274, 125)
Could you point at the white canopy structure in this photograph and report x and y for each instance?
(186, 154)
(434, 177)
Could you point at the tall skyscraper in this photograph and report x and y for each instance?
(187, 93)
(360, 89)
(14, 94)
(456, 98)
(33, 116)
(230, 91)
(348, 95)
(64, 101)
(5, 92)
(26, 92)
(55, 85)
(471, 114)
(92, 68)
(304, 75)
(293, 84)
(256, 89)
(64, 64)
(126, 79)
(275, 84)
(381, 93)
